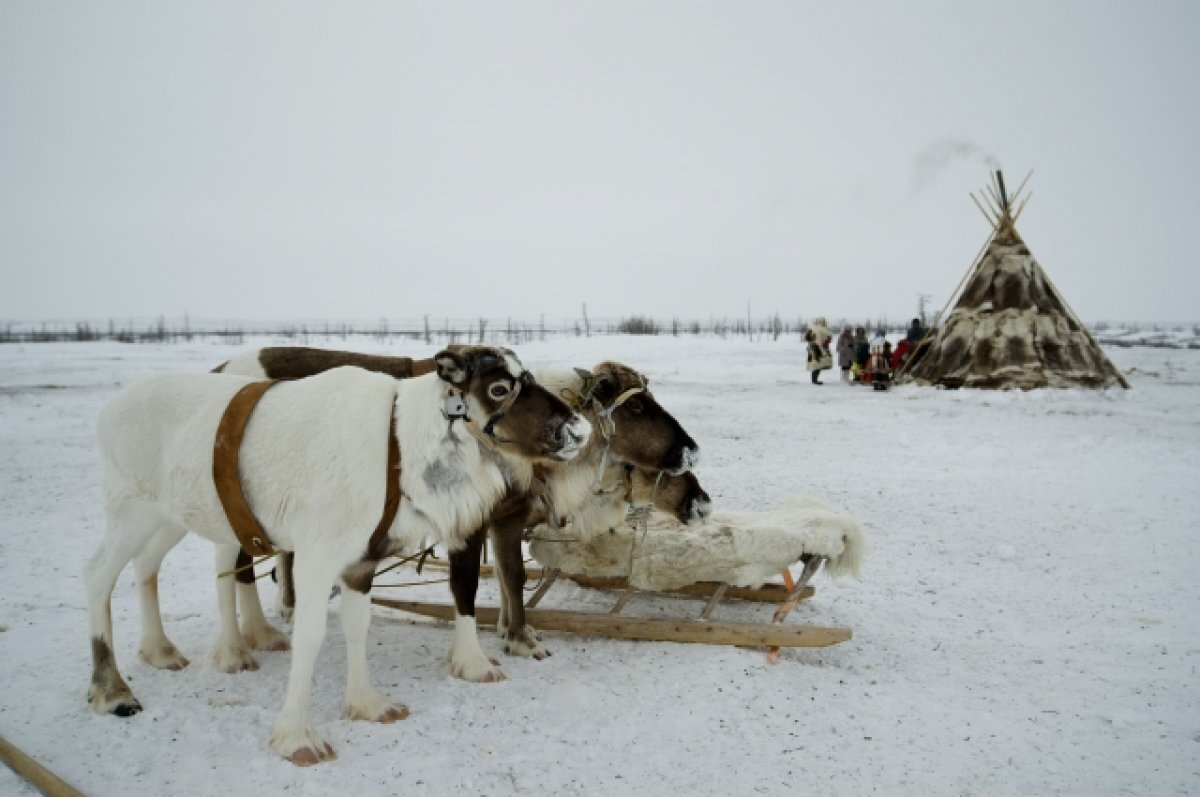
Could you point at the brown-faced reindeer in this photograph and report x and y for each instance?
(343, 468)
(642, 455)
(630, 428)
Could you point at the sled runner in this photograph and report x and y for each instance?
(730, 556)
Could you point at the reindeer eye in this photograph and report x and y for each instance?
(634, 405)
(499, 390)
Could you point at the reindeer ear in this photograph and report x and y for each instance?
(452, 367)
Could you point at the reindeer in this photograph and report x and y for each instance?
(593, 491)
(318, 463)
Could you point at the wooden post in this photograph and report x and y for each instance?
(42, 779)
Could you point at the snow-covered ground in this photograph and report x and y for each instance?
(1026, 624)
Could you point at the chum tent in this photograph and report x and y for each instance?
(1010, 327)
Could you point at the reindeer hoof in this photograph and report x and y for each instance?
(526, 644)
(393, 714)
(234, 660)
(120, 703)
(307, 756)
(485, 675)
(127, 709)
(266, 638)
(378, 709)
(167, 658)
(249, 665)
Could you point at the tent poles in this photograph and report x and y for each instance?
(985, 213)
(1021, 187)
(1021, 209)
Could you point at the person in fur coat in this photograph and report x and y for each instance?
(818, 338)
(845, 351)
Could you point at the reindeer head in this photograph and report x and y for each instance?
(680, 495)
(640, 431)
(501, 398)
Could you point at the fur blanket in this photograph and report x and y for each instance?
(744, 549)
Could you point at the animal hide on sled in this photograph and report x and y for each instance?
(743, 549)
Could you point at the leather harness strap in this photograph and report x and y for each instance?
(422, 367)
(377, 548)
(227, 475)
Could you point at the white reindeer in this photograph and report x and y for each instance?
(313, 468)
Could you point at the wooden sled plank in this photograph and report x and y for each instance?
(663, 630)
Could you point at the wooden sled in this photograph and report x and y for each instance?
(701, 630)
(802, 530)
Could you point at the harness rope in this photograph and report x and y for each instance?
(607, 425)
(641, 521)
(233, 571)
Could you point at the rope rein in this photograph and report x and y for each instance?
(233, 571)
(639, 518)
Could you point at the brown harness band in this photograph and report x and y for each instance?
(422, 367)
(377, 547)
(227, 476)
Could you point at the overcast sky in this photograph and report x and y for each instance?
(356, 160)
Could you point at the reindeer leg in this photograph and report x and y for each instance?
(294, 737)
(363, 701)
(285, 597)
(156, 649)
(520, 639)
(131, 526)
(502, 613)
(231, 654)
(256, 631)
(467, 659)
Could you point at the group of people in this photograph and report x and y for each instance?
(862, 360)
